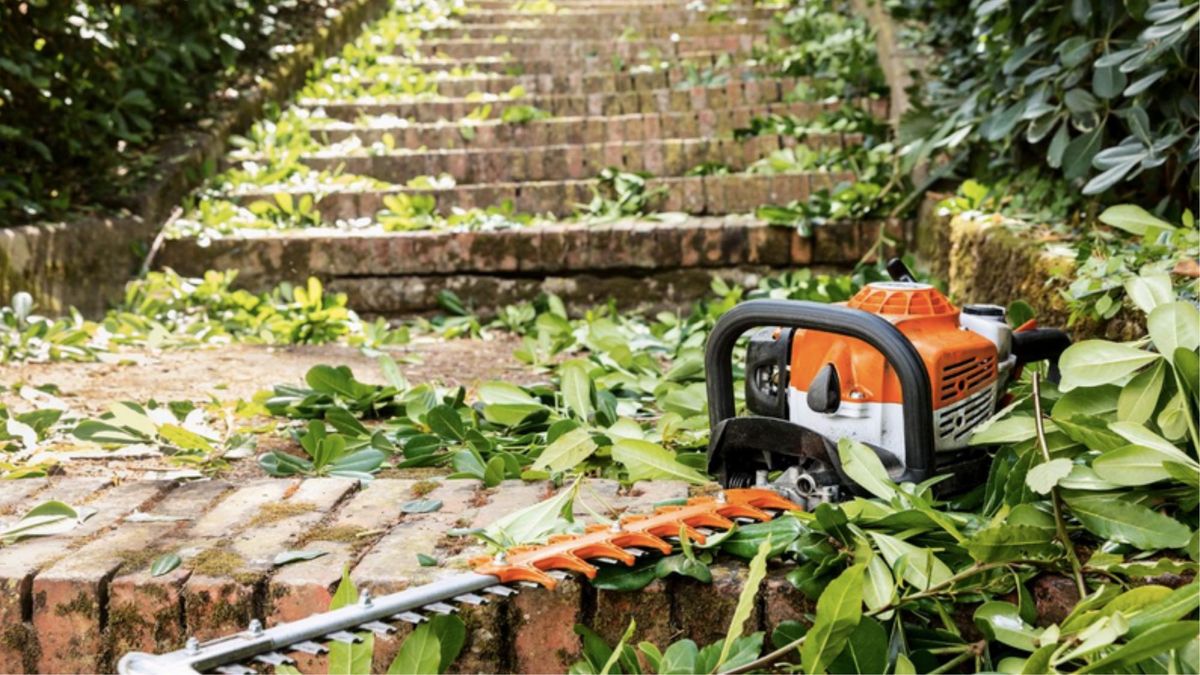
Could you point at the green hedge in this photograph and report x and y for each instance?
(85, 84)
(1102, 93)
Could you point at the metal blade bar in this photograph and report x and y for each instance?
(246, 645)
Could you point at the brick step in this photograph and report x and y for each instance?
(545, 50)
(574, 130)
(84, 598)
(583, 30)
(616, 17)
(670, 157)
(642, 263)
(697, 195)
(578, 83)
(432, 109)
(507, 65)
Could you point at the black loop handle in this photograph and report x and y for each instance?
(876, 331)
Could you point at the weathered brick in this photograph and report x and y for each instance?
(650, 607)
(697, 604)
(781, 601)
(71, 596)
(541, 622)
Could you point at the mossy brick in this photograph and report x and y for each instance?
(565, 247)
(17, 492)
(306, 587)
(542, 621)
(801, 248)
(275, 526)
(768, 244)
(391, 564)
(692, 191)
(495, 250)
(836, 242)
(111, 506)
(650, 607)
(782, 601)
(703, 611)
(526, 243)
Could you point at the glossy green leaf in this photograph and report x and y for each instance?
(576, 387)
(164, 564)
(566, 452)
(649, 461)
(839, 610)
(1001, 621)
(864, 467)
(1128, 522)
(1093, 363)
(866, 650)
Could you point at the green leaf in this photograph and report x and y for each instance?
(1127, 522)
(566, 452)
(534, 523)
(349, 659)
(493, 472)
(679, 658)
(1001, 543)
(420, 654)
(921, 567)
(1132, 465)
(1096, 362)
(1139, 398)
(866, 650)
(1086, 401)
(451, 633)
(284, 557)
(425, 560)
(106, 434)
(1007, 430)
(1149, 290)
(184, 439)
(1043, 477)
(421, 506)
(616, 652)
(683, 566)
(1078, 155)
(839, 610)
(1158, 640)
(864, 467)
(1140, 435)
(1174, 326)
(1002, 621)
(1133, 219)
(445, 421)
(577, 387)
(745, 605)
(496, 392)
(1180, 603)
(650, 461)
(164, 564)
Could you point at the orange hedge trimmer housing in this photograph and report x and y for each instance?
(898, 367)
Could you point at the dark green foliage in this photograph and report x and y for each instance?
(84, 85)
(1102, 94)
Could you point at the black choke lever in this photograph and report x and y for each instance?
(899, 271)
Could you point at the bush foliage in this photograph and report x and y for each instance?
(1102, 93)
(84, 84)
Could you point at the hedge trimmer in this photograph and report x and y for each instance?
(539, 565)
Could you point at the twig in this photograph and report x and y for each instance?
(936, 589)
(968, 653)
(1060, 522)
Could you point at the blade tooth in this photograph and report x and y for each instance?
(236, 669)
(635, 552)
(502, 591)
(274, 659)
(704, 531)
(559, 575)
(742, 520)
(528, 584)
(344, 637)
(378, 627)
(471, 599)
(310, 647)
(409, 617)
(606, 561)
(440, 608)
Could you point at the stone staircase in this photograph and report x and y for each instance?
(517, 108)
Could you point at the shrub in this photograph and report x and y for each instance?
(1098, 92)
(85, 84)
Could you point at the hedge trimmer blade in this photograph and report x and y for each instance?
(622, 542)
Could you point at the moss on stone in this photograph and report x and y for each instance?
(271, 513)
(82, 604)
(134, 560)
(217, 562)
(343, 533)
(424, 487)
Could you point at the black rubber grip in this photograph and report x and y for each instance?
(876, 331)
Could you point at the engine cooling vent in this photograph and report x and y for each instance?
(964, 376)
(955, 423)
